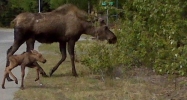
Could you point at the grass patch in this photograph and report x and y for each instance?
(137, 83)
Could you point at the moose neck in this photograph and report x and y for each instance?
(89, 29)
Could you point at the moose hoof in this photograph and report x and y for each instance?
(76, 75)
(3, 87)
(51, 73)
(44, 74)
(22, 88)
(16, 81)
(36, 79)
(9, 79)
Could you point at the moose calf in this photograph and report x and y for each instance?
(25, 59)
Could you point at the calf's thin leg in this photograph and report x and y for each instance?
(3, 83)
(7, 64)
(30, 46)
(41, 71)
(71, 46)
(37, 74)
(62, 46)
(22, 76)
(8, 69)
(11, 51)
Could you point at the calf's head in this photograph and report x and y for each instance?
(36, 55)
(104, 33)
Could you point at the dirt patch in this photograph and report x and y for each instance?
(166, 87)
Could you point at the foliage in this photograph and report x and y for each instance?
(25, 5)
(159, 26)
(152, 35)
(10, 8)
(8, 16)
(14, 7)
(98, 57)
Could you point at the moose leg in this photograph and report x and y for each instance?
(11, 51)
(62, 46)
(8, 69)
(19, 39)
(16, 80)
(71, 46)
(38, 73)
(22, 76)
(7, 64)
(41, 71)
(30, 46)
(3, 83)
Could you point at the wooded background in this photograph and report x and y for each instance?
(10, 8)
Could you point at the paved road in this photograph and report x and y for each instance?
(6, 40)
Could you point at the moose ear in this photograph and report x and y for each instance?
(33, 51)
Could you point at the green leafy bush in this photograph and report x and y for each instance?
(153, 35)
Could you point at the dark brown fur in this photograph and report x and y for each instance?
(64, 25)
(25, 59)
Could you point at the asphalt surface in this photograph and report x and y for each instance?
(6, 40)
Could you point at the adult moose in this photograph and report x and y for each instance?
(64, 25)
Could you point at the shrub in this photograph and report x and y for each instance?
(152, 35)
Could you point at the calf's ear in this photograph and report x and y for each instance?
(34, 52)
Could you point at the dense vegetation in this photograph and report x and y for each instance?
(10, 8)
(151, 33)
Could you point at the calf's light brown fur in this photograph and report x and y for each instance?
(28, 59)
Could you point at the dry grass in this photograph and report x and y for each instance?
(137, 83)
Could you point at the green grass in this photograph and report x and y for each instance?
(137, 84)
